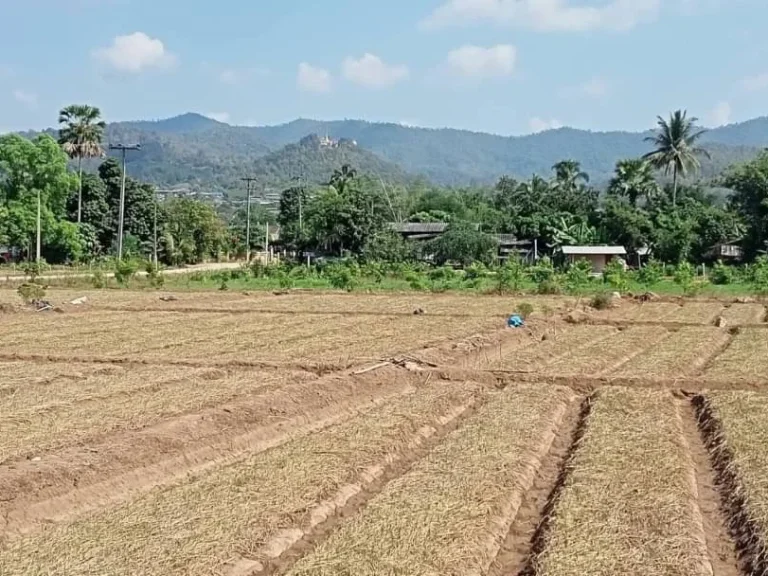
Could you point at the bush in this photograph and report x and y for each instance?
(721, 274)
(125, 270)
(223, 286)
(340, 276)
(511, 276)
(416, 281)
(615, 275)
(579, 275)
(651, 274)
(543, 270)
(285, 280)
(550, 286)
(601, 301)
(524, 309)
(29, 291)
(685, 277)
(759, 276)
(98, 280)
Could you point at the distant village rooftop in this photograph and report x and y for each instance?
(594, 250)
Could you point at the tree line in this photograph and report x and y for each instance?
(349, 214)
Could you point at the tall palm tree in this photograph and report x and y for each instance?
(675, 147)
(80, 134)
(569, 175)
(633, 179)
(342, 177)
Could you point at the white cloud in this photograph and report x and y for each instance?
(756, 82)
(537, 124)
(719, 115)
(546, 15)
(218, 116)
(312, 79)
(134, 53)
(28, 99)
(483, 62)
(594, 88)
(372, 72)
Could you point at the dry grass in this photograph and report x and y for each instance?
(738, 314)
(681, 354)
(629, 504)
(746, 358)
(177, 336)
(742, 417)
(699, 312)
(198, 527)
(600, 356)
(444, 515)
(561, 341)
(50, 406)
(632, 311)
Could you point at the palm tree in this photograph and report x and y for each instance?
(569, 175)
(80, 133)
(342, 177)
(675, 147)
(633, 179)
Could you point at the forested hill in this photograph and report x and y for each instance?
(192, 149)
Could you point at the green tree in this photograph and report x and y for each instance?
(569, 175)
(290, 216)
(463, 244)
(193, 231)
(749, 183)
(633, 179)
(342, 177)
(675, 147)
(33, 174)
(81, 131)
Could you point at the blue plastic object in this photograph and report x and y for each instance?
(515, 321)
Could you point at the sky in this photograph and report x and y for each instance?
(500, 66)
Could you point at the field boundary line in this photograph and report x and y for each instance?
(516, 547)
(720, 548)
(286, 547)
(747, 535)
(703, 364)
(629, 357)
(539, 539)
(263, 311)
(25, 517)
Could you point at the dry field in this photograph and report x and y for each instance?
(342, 434)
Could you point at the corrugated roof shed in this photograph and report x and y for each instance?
(594, 250)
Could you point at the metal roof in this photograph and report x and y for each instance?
(594, 250)
(420, 227)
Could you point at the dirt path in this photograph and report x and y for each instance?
(720, 547)
(518, 546)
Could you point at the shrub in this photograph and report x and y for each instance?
(615, 275)
(125, 270)
(223, 286)
(511, 276)
(685, 277)
(416, 281)
(601, 301)
(579, 275)
(285, 280)
(550, 286)
(98, 280)
(759, 276)
(524, 309)
(542, 271)
(651, 274)
(340, 276)
(29, 291)
(721, 274)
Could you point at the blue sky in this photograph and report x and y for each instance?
(502, 66)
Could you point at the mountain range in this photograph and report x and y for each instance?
(194, 151)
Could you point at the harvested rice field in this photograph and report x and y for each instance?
(397, 434)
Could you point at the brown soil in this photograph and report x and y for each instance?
(747, 535)
(516, 549)
(720, 547)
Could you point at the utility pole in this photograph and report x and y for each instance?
(39, 214)
(248, 180)
(123, 148)
(154, 246)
